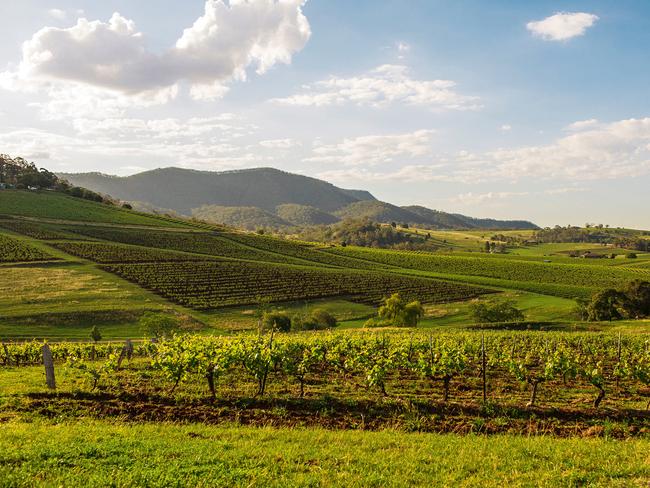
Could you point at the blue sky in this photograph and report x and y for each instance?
(508, 109)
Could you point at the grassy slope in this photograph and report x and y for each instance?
(51, 205)
(93, 453)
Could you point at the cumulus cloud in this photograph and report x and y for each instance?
(219, 47)
(374, 149)
(383, 86)
(562, 25)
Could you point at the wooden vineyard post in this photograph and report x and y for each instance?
(127, 352)
(483, 368)
(618, 357)
(8, 360)
(48, 362)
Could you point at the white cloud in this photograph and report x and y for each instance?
(383, 86)
(57, 13)
(209, 142)
(113, 56)
(375, 149)
(606, 152)
(581, 125)
(408, 174)
(506, 128)
(481, 198)
(279, 144)
(609, 151)
(562, 25)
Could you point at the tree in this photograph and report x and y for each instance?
(397, 313)
(637, 299)
(95, 334)
(495, 311)
(158, 324)
(278, 321)
(606, 305)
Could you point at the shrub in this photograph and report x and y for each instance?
(631, 255)
(279, 321)
(318, 319)
(495, 311)
(158, 324)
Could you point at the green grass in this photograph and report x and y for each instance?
(52, 205)
(94, 453)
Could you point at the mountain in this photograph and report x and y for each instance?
(267, 197)
(184, 190)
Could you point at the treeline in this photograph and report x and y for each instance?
(21, 174)
(365, 233)
(599, 234)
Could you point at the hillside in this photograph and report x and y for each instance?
(183, 190)
(267, 197)
(304, 215)
(249, 218)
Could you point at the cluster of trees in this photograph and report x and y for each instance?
(496, 311)
(635, 243)
(20, 173)
(364, 232)
(597, 234)
(317, 319)
(573, 234)
(396, 312)
(631, 302)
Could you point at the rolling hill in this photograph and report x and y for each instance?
(267, 197)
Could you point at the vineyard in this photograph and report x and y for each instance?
(106, 253)
(36, 230)
(216, 284)
(301, 251)
(196, 242)
(529, 370)
(506, 269)
(14, 251)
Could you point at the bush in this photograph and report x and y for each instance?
(631, 255)
(318, 319)
(495, 311)
(158, 324)
(279, 321)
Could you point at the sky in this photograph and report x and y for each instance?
(504, 109)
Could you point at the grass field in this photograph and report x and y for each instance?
(94, 453)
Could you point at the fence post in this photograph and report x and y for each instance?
(48, 362)
(483, 367)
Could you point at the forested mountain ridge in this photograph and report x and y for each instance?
(267, 197)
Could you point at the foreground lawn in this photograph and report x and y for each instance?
(98, 453)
